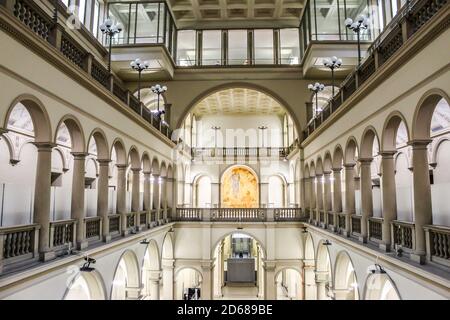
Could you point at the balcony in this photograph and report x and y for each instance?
(238, 153)
(409, 20)
(28, 16)
(240, 214)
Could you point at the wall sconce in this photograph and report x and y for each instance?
(87, 265)
(327, 243)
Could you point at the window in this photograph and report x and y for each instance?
(186, 48)
(263, 40)
(147, 25)
(237, 47)
(96, 18)
(212, 48)
(289, 46)
(82, 11)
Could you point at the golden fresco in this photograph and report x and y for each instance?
(239, 189)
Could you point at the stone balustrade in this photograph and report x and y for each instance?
(402, 234)
(355, 225)
(62, 235)
(438, 244)
(18, 243)
(93, 227)
(375, 229)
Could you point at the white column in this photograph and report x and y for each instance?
(77, 205)
(366, 196)
(102, 197)
(349, 195)
(389, 197)
(167, 275)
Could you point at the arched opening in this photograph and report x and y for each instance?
(309, 268)
(188, 282)
(117, 178)
(319, 103)
(239, 188)
(381, 287)
(238, 271)
(202, 192)
(338, 186)
(278, 192)
(151, 270)
(126, 282)
(345, 283)
(289, 284)
(324, 276)
(167, 262)
(86, 286)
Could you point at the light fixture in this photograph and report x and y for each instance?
(87, 265)
(375, 269)
(262, 128)
(332, 64)
(139, 66)
(215, 128)
(158, 90)
(316, 88)
(145, 241)
(361, 23)
(110, 29)
(326, 243)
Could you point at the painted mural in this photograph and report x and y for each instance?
(239, 189)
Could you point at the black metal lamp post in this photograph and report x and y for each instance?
(316, 88)
(360, 24)
(139, 66)
(110, 29)
(332, 64)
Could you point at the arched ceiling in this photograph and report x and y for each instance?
(238, 101)
(20, 120)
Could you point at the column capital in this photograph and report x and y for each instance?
(147, 173)
(79, 155)
(104, 162)
(349, 165)
(363, 161)
(121, 166)
(327, 173)
(336, 170)
(387, 153)
(45, 146)
(168, 263)
(419, 143)
(322, 276)
(136, 170)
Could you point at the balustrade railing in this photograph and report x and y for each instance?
(114, 224)
(130, 220)
(438, 244)
(42, 24)
(153, 216)
(322, 217)
(289, 214)
(375, 229)
(409, 19)
(330, 220)
(355, 225)
(62, 234)
(341, 221)
(189, 214)
(403, 234)
(143, 218)
(238, 152)
(93, 228)
(238, 214)
(18, 243)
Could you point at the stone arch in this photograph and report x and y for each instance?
(338, 157)
(344, 272)
(351, 148)
(128, 264)
(319, 166)
(92, 281)
(39, 116)
(369, 137)
(146, 163)
(309, 247)
(306, 171)
(75, 131)
(101, 142)
(424, 112)
(380, 286)
(134, 159)
(436, 148)
(327, 162)
(312, 169)
(246, 232)
(167, 251)
(155, 166)
(119, 147)
(152, 258)
(243, 85)
(390, 128)
(163, 169)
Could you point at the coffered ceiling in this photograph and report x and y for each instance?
(236, 13)
(238, 101)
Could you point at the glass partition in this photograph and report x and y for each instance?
(289, 46)
(212, 47)
(263, 46)
(186, 48)
(237, 47)
(143, 22)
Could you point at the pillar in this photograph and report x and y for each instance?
(306, 182)
(167, 275)
(319, 196)
(153, 283)
(102, 197)
(366, 196)
(422, 196)
(170, 197)
(309, 279)
(215, 195)
(264, 194)
(270, 290)
(206, 287)
(77, 205)
(135, 205)
(163, 190)
(312, 197)
(388, 195)
(321, 282)
(327, 191)
(337, 191)
(156, 196)
(349, 195)
(41, 211)
(147, 193)
(121, 196)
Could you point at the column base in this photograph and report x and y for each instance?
(47, 256)
(386, 247)
(418, 257)
(81, 245)
(346, 233)
(107, 238)
(125, 232)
